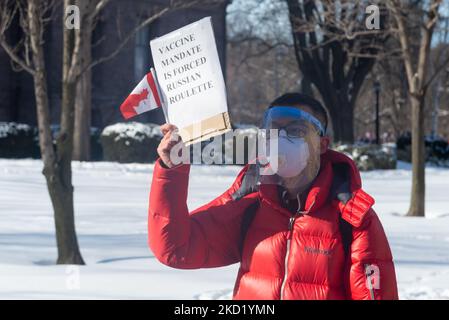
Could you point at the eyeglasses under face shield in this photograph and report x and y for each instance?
(292, 122)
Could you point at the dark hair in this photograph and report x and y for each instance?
(296, 98)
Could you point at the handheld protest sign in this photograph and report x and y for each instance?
(191, 81)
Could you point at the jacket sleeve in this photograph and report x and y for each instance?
(371, 274)
(205, 238)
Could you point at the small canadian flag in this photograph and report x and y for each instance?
(143, 98)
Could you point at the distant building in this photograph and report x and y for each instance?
(111, 81)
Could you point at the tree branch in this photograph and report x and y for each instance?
(438, 69)
(131, 34)
(14, 57)
(403, 39)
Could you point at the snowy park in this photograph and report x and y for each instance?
(101, 100)
(111, 202)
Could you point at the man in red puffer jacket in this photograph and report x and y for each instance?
(315, 236)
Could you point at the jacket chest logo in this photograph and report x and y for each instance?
(311, 250)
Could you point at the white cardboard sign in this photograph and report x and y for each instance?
(191, 81)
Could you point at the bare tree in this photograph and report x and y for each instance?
(81, 140)
(335, 52)
(419, 78)
(29, 56)
(76, 78)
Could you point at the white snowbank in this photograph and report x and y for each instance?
(8, 128)
(132, 130)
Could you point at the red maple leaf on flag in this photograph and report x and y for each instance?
(143, 98)
(133, 101)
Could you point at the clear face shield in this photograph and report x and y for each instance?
(289, 147)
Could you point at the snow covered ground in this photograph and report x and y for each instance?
(111, 208)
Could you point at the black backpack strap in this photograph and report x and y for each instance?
(346, 235)
(247, 218)
(340, 191)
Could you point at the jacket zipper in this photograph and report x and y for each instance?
(291, 223)
(368, 274)
(287, 253)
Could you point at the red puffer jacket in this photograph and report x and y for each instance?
(282, 255)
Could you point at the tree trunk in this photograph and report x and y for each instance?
(57, 169)
(417, 202)
(62, 199)
(83, 101)
(343, 123)
(83, 110)
(341, 114)
(61, 189)
(306, 86)
(61, 195)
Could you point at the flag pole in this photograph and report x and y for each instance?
(161, 96)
